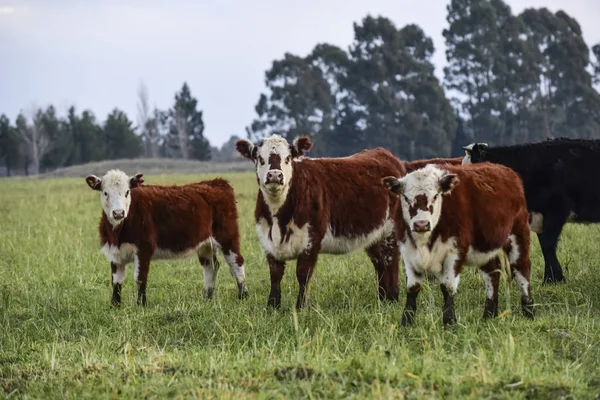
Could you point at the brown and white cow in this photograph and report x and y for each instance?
(144, 222)
(451, 216)
(309, 206)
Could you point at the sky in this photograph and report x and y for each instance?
(94, 54)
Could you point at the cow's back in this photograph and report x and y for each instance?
(348, 191)
(179, 217)
(483, 207)
(417, 164)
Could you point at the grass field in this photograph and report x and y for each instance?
(59, 337)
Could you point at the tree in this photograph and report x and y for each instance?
(148, 122)
(60, 138)
(10, 145)
(395, 98)
(186, 128)
(88, 143)
(596, 52)
(566, 103)
(120, 138)
(35, 138)
(303, 96)
(227, 152)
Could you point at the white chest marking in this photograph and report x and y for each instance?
(119, 255)
(423, 259)
(298, 239)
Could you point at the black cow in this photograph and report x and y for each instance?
(559, 177)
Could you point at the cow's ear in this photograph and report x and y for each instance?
(394, 184)
(136, 181)
(94, 182)
(448, 182)
(301, 146)
(246, 149)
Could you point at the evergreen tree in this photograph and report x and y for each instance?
(10, 146)
(87, 136)
(120, 138)
(186, 128)
(61, 141)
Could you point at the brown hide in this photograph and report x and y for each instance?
(338, 192)
(176, 218)
(414, 165)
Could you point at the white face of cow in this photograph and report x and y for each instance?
(421, 194)
(273, 159)
(115, 193)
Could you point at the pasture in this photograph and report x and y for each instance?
(59, 336)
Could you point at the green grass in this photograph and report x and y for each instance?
(59, 337)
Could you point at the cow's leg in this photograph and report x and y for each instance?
(451, 268)
(118, 277)
(229, 240)
(210, 265)
(385, 257)
(413, 287)
(490, 273)
(518, 256)
(276, 270)
(304, 270)
(552, 227)
(142, 267)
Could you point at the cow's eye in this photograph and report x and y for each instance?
(435, 197)
(262, 160)
(105, 194)
(288, 159)
(127, 193)
(406, 198)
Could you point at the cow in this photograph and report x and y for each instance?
(556, 175)
(144, 222)
(308, 206)
(452, 216)
(417, 164)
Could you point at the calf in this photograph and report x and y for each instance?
(140, 223)
(309, 206)
(451, 216)
(558, 180)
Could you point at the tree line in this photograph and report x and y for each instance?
(509, 79)
(39, 140)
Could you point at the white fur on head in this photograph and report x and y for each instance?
(274, 154)
(429, 183)
(115, 194)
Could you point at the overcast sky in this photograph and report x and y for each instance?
(95, 53)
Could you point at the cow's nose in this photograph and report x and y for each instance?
(118, 214)
(421, 226)
(275, 176)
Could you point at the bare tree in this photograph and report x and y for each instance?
(181, 126)
(35, 138)
(148, 123)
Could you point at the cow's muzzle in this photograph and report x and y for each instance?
(421, 226)
(118, 214)
(274, 176)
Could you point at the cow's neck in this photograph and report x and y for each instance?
(275, 203)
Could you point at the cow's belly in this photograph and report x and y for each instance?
(125, 253)
(479, 258)
(285, 245)
(344, 244)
